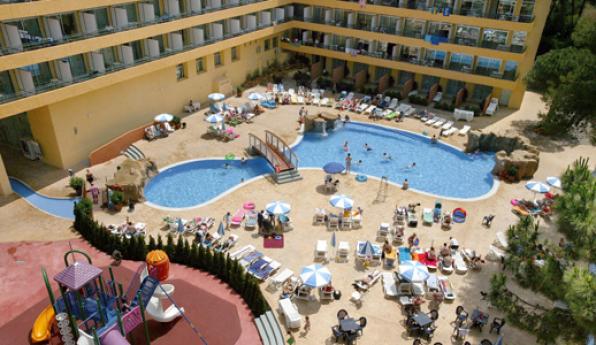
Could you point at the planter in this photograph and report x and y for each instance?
(118, 207)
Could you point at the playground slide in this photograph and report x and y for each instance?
(114, 337)
(156, 312)
(42, 326)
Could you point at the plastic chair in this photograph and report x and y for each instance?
(496, 325)
(337, 333)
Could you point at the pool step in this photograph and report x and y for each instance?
(133, 152)
(287, 176)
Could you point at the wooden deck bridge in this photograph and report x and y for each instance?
(279, 154)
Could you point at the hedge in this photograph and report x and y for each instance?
(182, 252)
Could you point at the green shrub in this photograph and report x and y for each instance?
(418, 99)
(393, 93)
(444, 105)
(76, 183)
(117, 197)
(324, 82)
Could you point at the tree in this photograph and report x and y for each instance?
(194, 255)
(170, 249)
(581, 297)
(159, 242)
(179, 251)
(567, 79)
(152, 245)
(201, 258)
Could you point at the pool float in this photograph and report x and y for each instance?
(361, 178)
(459, 215)
(249, 205)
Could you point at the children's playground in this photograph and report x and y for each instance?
(69, 293)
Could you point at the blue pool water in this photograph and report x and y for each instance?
(196, 182)
(440, 169)
(59, 207)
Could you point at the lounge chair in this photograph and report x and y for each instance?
(238, 217)
(393, 104)
(438, 97)
(325, 102)
(249, 258)
(300, 99)
(447, 125)
(450, 132)
(321, 251)
(404, 254)
(412, 219)
(439, 123)
(459, 264)
(501, 240)
(369, 110)
(427, 216)
(242, 251)
(431, 121)
(224, 246)
(250, 220)
(389, 284)
(383, 231)
(492, 106)
(367, 281)
(495, 254)
(446, 288)
(361, 107)
(280, 278)
(343, 252)
(392, 115)
(465, 129)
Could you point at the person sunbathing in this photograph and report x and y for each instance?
(447, 261)
(431, 255)
(366, 281)
(445, 250)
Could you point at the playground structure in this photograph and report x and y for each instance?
(93, 311)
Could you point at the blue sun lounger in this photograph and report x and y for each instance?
(404, 254)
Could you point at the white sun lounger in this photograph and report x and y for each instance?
(325, 102)
(459, 264)
(450, 131)
(300, 99)
(438, 97)
(446, 288)
(362, 107)
(439, 123)
(369, 110)
(501, 241)
(389, 284)
(465, 129)
(321, 250)
(281, 277)
(447, 125)
(393, 104)
(431, 121)
(343, 251)
(494, 253)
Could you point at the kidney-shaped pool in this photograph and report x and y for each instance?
(441, 170)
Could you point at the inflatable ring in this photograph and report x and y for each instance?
(361, 178)
(459, 215)
(249, 205)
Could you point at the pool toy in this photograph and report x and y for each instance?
(94, 311)
(43, 325)
(459, 215)
(361, 178)
(249, 205)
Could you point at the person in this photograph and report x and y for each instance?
(346, 118)
(447, 261)
(301, 111)
(359, 210)
(412, 166)
(433, 140)
(412, 240)
(70, 172)
(405, 185)
(291, 340)
(359, 162)
(445, 250)
(387, 248)
(431, 254)
(386, 156)
(260, 220)
(441, 132)
(226, 165)
(89, 177)
(367, 148)
(227, 219)
(346, 147)
(453, 243)
(306, 324)
(243, 160)
(348, 163)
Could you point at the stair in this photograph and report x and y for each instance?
(287, 176)
(269, 329)
(147, 289)
(133, 152)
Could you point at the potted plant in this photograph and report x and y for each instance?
(117, 199)
(239, 91)
(176, 122)
(77, 184)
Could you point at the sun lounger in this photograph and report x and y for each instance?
(369, 280)
(501, 240)
(290, 313)
(280, 278)
(439, 123)
(430, 263)
(427, 216)
(404, 254)
(447, 125)
(361, 107)
(459, 264)
(249, 258)
(238, 217)
(294, 98)
(369, 110)
(376, 251)
(325, 102)
(242, 251)
(438, 97)
(432, 283)
(492, 106)
(250, 221)
(389, 284)
(321, 250)
(495, 254)
(450, 132)
(431, 121)
(465, 129)
(393, 104)
(227, 244)
(343, 251)
(446, 268)
(446, 288)
(300, 99)
(412, 219)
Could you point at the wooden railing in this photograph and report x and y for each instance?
(282, 148)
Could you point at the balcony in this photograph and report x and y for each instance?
(56, 84)
(42, 42)
(413, 60)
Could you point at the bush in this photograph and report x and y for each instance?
(369, 90)
(472, 107)
(417, 99)
(117, 197)
(302, 79)
(76, 183)
(324, 82)
(393, 93)
(182, 252)
(444, 105)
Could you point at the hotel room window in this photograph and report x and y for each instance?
(267, 45)
(201, 65)
(180, 72)
(218, 59)
(234, 54)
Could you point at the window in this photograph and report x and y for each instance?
(274, 42)
(267, 45)
(217, 59)
(510, 70)
(201, 65)
(235, 53)
(527, 11)
(77, 65)
(180, 72)
(6, 87)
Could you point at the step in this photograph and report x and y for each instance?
(262, 332)
(275, 325)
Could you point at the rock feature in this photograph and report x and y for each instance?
(131, 176)
(515, 158)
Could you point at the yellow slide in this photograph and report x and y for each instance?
(43, 325)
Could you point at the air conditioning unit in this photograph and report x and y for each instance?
(30, 149)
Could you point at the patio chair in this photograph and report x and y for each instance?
(343, 250)
(337, 333)
(333, 223)
(321, 251)
(496, 325)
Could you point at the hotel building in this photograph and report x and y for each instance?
(74, 74)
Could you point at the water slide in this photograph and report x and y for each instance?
(57, 207)
(43, 325)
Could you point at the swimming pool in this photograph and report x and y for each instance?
(441, 170)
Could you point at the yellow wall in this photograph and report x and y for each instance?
(103, 114)
(5, 188)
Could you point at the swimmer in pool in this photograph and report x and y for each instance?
(226, 165)
(387, 156)
(366, 147)
(243, 160)
(411, 166)
(359, 162)
(433, 140)
(346, 147)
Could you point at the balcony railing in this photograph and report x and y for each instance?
(42, 42)
(414, 60)
(55, 84)
(406, 33)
